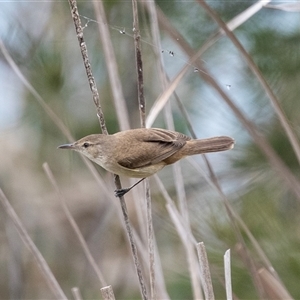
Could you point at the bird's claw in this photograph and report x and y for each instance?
(121, 192)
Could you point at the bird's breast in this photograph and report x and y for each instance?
(135, 173)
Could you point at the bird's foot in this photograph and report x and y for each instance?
(121, 192)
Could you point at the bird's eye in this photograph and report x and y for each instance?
(85, 145)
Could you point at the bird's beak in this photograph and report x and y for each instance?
(67, 146)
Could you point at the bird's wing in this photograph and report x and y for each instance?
(157, 145)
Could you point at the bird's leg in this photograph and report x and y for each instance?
(122, 192)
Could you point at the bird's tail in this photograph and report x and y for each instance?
(215, 144)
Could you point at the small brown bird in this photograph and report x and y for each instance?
(142, 152)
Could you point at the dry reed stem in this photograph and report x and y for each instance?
(142, 109)
(227, 272)
(150, 238)
(41, 262)
(87, 64)
(132, 243)
(138, 63)
(108, 293)
(205, 273)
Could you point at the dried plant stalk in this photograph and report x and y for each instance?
(227, 271)
(205, 273)
(87, 64)
(108, 293)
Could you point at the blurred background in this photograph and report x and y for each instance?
(41, 41)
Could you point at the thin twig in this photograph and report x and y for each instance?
(142, 109)
(139, 63)
(87, 65)
(41, 262)
(132, 242)
(75, 227)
